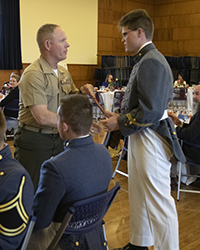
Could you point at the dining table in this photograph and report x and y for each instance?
(108, 98)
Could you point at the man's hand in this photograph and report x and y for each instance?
(95, 129)
(90, 87)
(174, 118)
(111, 123)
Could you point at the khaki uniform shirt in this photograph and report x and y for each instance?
(40, 85)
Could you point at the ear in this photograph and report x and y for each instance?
(65, 127)
(140, 32)
(47, 44)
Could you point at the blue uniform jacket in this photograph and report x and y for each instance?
(84, 169)
(16, 200)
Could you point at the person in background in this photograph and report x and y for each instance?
(8, 86)
(83, 170)
(190, 134)
(16, 197)
(10, 105)
(109, 81)
(180, 82)
(151, 138)
(42, 85)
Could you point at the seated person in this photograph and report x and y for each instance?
(180, 82)
(190, 133)
(16, 196)
(11, 104)
(83, 170)
(7, 86)
(109, 81)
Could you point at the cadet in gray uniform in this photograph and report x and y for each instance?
(151, 138)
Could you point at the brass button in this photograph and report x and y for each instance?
(104, 244)
(128, 90)
(126, 108)
(67, 144)
(140, 54)
(134, 119)
(174, 133)
(77, 243)
(1, 157)
(2, 173)
(130, 122)
(125, 124)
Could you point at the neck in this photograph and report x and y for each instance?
(51, 63)
(2, 145)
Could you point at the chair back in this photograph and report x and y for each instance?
(32, 221)
(191, 163)
(118, 97)
(85, 215)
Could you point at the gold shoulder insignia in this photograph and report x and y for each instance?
(133, 121)
(16, 202)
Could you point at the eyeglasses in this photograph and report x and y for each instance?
(125, 34)
(196, 93)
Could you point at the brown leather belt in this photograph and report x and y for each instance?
(38, 130)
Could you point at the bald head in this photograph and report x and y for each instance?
(196, 94)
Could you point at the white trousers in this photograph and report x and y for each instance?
(153, 216)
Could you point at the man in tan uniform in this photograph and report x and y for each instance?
(42, 86)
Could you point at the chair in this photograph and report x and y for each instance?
(124, 148)
(179, 165)
(96, 112)
(85, 215)
(118, 97)
(32, 221)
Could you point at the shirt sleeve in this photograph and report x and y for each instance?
(14, 94)
(189, 132)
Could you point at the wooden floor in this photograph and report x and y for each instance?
(117, 217)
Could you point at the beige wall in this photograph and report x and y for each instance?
(78, 18)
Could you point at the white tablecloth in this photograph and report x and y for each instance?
(190, 99)
(108, 98)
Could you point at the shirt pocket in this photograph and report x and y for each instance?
(66, 87)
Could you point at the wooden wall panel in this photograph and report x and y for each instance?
(183, 19)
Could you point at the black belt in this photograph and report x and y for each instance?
(38, 130)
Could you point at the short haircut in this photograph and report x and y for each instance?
(76, 111)
(45, 32)
(15, 75)
(2, 126)
(138, 18)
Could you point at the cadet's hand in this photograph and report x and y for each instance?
(110, 124)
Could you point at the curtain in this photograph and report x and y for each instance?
(10, 39)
